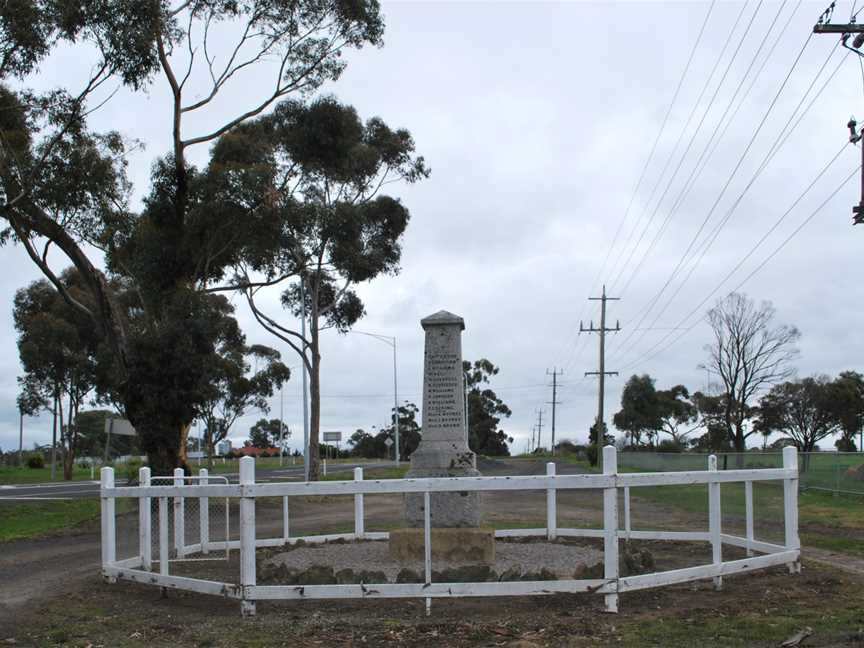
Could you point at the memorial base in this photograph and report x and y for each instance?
(465, 545)
(448, 509)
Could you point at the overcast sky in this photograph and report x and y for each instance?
(537, 121)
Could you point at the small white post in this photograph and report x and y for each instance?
(610, 528)
(325, 466)
(790, 500)
(179, 516)
(551, 507)
(247, 532)
(163, 536)
(109, 522)
(144, 521)
(204, 506)
(286, 525)
(748, 511)
(714, 526)
(427, 545)
(359, 529)
(627, 528)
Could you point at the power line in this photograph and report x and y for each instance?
(577, 349)
(651, 353)
(687, 124)
(714, 140)
(725, 187)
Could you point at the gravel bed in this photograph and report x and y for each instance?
(558, 557)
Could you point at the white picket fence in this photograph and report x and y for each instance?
(139, 568)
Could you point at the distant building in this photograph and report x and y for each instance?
(223, 447)
(252, 451)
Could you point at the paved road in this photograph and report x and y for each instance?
(82, 489)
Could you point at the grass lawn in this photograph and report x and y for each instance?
(25, 475)
(32, 519)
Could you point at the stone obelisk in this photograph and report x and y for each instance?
(443, 449)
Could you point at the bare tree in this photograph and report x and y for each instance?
(750, 355)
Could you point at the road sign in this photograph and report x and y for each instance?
(119, 427)
(388, 442)
(332, 437)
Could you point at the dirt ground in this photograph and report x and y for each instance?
(51, 595)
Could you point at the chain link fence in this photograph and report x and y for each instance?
(836, 472)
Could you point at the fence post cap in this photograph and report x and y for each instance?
(106, 475)
(712, 462)
(790, 457)
(144, 476)
(247, 470)
(550, 468)
(358, 474)
(610, 460)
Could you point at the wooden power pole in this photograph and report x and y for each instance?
(602, 373)
(825, 26)
(555, 373)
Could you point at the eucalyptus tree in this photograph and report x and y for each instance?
(57, 350)
(485, 410)
(235, 388)
(64, 188)
(317, 171)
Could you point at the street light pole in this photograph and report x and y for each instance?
(390, 340)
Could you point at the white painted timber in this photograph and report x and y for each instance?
(626, 512)
(229, 590)
(714, 522)
(204, 506)
(645, 581)
(551, 507)
(179, 514)
(247, 535)
(164, 557)
(358, 506)
(145, 524)
(109, 520)
(420, 590)
(748, 514)
(610, 527)
(790, 500)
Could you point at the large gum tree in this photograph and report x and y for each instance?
(65, 196)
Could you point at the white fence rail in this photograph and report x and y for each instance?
(246, 589)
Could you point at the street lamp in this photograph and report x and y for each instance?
(390, 341)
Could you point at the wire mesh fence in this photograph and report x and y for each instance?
(837, 472)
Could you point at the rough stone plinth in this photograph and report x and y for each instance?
(474, 545)
(443, 449)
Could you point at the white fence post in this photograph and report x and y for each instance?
(551, 505)
(109, 523)
(179, 516)
(627, 528)
(286, 524)
(247, 533)
(204, 512)
(790, 500)
(610, 528)
(748, 512)
(144, 522)
(163, 536)
(359, 529)
(427, 545)
(714, 526)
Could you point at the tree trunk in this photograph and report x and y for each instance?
(183, 454)
(69, 450)
(315, 401)
(54, 439)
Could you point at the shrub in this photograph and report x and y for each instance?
(670, 445)
(36, 461)
(132, 467)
